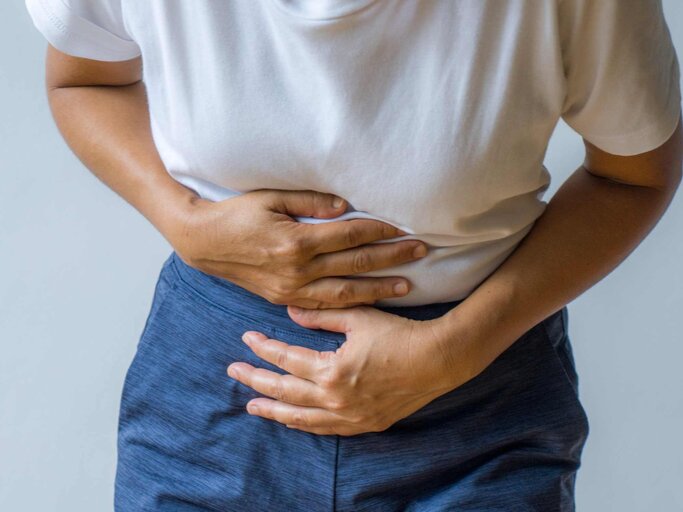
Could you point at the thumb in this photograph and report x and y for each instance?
(337, 320)
(306, 203)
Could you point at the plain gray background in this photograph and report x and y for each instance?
(77, 271)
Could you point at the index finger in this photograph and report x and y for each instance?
(345, 234)
(300, 361)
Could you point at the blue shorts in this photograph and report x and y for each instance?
(509, 439)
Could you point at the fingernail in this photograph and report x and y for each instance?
(401, 288)
(251, 408)
(401, 232)
(249, 338)
(420, 251)
(338, 201)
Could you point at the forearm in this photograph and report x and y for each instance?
(107, 127)
(588, 228)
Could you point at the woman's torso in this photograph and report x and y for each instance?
(433, 116)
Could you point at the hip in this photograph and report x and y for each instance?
(183, 421)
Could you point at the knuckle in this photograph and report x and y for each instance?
(388, 231)
(278, 391)
(290, 249)
(343, 292)
(263, 254)
(282, 357)
(299, 418)
(337, 403)
(358, 420)
(279, 251)
(280, 291)
(361, 261)
(294, 248)
(330, 378)
(352, 236)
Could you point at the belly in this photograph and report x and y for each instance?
(450, 271)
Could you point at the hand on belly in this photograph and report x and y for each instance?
(253, 241)
(388, 367)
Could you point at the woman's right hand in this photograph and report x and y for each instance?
(253, 241)
(249, 239)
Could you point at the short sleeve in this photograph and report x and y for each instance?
(623, 91)
(91, 29)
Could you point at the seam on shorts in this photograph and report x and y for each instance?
(567, 378)
(549, 341)
(336, 470)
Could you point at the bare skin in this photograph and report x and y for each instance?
(252, 240)
(389, 366)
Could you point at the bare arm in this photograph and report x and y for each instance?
(101, 110)
(592, 223)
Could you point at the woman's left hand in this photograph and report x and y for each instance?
(388, 367)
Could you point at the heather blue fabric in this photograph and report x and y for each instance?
(508, 440)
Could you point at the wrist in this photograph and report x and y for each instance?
(173, 212)
(473, 334)
(455, 349)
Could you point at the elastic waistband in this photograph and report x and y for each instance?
(243, 302)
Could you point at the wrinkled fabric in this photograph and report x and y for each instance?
(508, 440)
(433, 116)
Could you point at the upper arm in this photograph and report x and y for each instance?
(661, 167)
(64, 70)
(88, 42)
(623, 92)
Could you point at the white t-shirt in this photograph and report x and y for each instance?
(431, 115)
